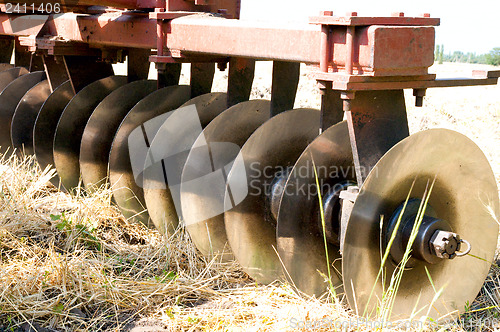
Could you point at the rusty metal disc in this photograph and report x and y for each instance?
(464, 194)
(300, 240)
(128, 195)
(101, 129)
(9, 75)
(250, 225)
(160, 200)
(25, 116)
(203, 182)
(46, 124)
(71, 125)
(9, 99)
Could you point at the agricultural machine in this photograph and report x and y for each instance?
(431, 194)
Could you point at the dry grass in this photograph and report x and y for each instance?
(74, 264)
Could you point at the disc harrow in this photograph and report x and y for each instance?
(327, 199)
(128, 187)
(219, 142)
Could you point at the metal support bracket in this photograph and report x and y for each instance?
(6, 48)
(286, 77)
(347, 198)
(240, 80)
(377, 120)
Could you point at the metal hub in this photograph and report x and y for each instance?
(332, 209)
(275, 192)
(434, 240)
(447, 245)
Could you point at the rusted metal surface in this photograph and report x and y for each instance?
(28, 60)
(21, 25)
(73, 4)
(83, 70)
(163, 15)
(486, 73)
(331, 107)
(202, 77)
(138, 64)
(53, 46)
(105, 30)
(240, 80)
(284, 89)
(378, 50)
(175, 56)
(168, 74)
(377, 121)
(230, 8)
(6, 49)
(231, 37)
(361, 58)
(354, 20)
(397, 85)
(55, 70)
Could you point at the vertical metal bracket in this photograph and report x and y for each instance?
(24, 58)
(240, 80)
(56, 70)
(286, 77)
(348, 198)
(331, 105)
(377, 121)
(138, 64)
(6, 48)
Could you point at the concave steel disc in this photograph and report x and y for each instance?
(203, 183)
(9, 99)
(46, 124)
(25, 116)
(272, 149)
(300, 240)
(101, 129)
(174, 136)
(128, 195)
(9, 75)
(464, 194)
(5, 66)
(72, 123)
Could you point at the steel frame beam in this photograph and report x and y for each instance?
(201, 34)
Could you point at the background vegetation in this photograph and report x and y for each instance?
(491, 58)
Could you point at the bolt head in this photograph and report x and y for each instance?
(427, 15)
(351, 14)
(398, 14)
(326, 13)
